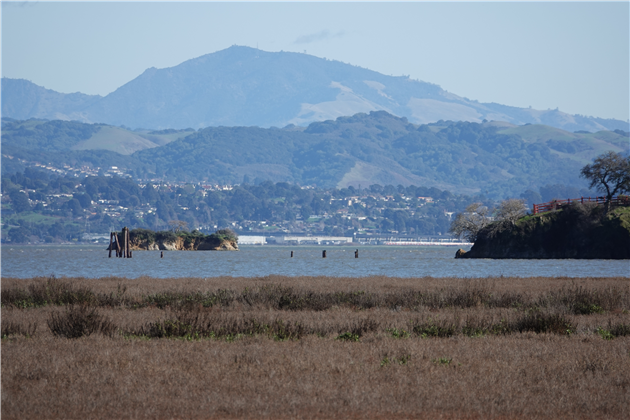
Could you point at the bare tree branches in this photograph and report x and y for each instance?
(178, 225)
(511, 210)
(469, 223)
(477, 216)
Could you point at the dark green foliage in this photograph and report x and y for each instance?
(46, 135)
(224, 235)
(19, 201)
(79, 321)
(614, 330)
(348, 336)
(574, 231)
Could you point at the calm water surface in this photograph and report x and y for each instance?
(92, 261)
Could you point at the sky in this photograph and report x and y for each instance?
(567, 55)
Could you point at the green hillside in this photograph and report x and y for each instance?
(494, 158)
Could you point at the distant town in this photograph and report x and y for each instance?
(67, 204)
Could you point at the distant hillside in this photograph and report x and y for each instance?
(22, 99)
(498, 159)
(242, 86)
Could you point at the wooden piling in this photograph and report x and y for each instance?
(356, 254)
(324, 254)
(111, 237)
(291, 254)
(161, 254)
(118, 251)
(127, 251)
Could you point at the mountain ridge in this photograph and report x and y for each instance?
(242, 86)
(497, 158)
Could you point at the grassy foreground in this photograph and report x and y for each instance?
(316, 347)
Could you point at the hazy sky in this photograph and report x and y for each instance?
(574, 56)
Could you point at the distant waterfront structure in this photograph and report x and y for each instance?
(251, 240)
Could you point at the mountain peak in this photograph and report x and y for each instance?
(245, 86)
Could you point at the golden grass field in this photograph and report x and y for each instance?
(316, 347)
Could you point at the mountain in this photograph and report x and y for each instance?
(23, 100)
(242, 86)
(496, 158)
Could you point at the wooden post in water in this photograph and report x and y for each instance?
(291, 254)
(122, 244)
(128, 251)
(356, 254)
(324, 254)
(111, 237)
(117, 245)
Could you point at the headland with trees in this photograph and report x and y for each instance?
(587, 229)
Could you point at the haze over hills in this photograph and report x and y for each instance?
(242, 86)
(495, 158)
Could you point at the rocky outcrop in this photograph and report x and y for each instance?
(145, 240)
(460, 253)
(578, 231)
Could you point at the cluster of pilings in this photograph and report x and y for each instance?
(121, 246)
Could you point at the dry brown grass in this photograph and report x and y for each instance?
(265, 372)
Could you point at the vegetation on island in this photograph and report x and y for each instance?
(181, 239)
(571, 230)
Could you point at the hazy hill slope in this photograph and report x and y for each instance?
(22, 100)
(242, 86)
(58, 136)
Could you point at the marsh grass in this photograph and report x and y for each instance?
(15, 328)
(308, 347)
(576, 299)
(79, 321)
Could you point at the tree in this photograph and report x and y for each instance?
(178, 225)
(609, 173)
(19, 201)
(511, 210)
(531, 197)
(469, 223)
(19, 234)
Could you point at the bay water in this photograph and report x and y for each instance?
(252, 261)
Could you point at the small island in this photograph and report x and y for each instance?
(578, 231)
(148, 240)
(584, 228)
